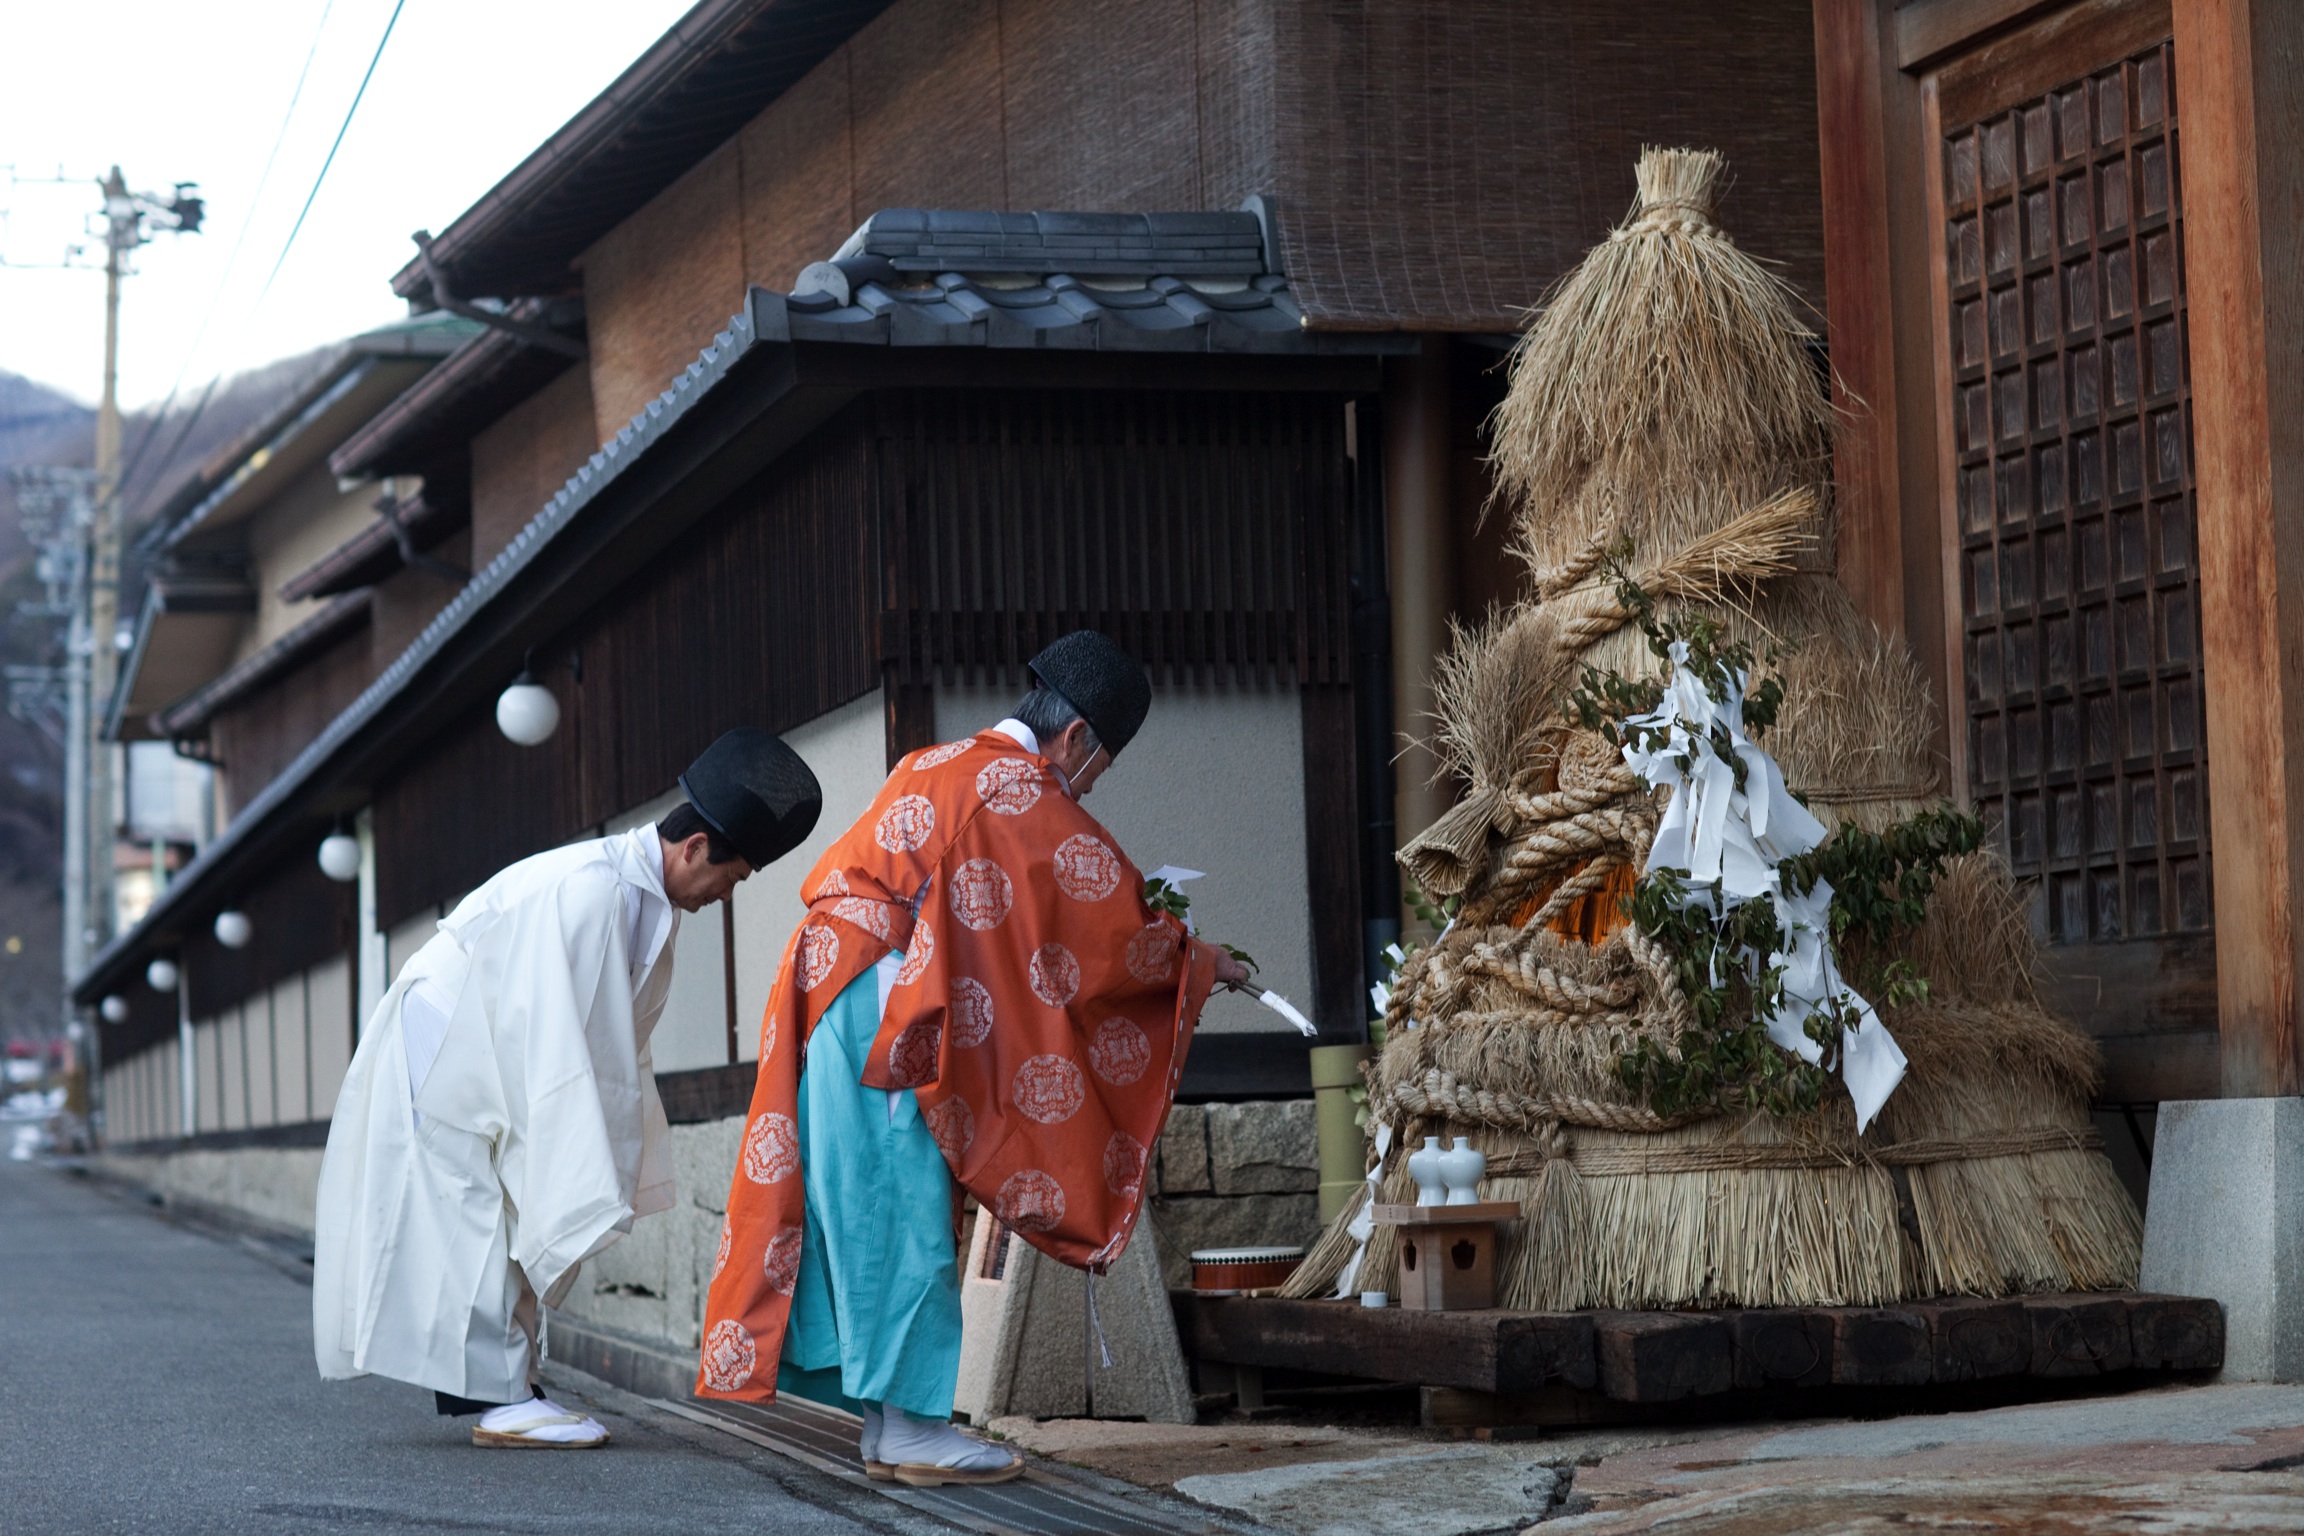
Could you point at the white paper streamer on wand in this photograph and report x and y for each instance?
(1174, 876)
(1287, 1010)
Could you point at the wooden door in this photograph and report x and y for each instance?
(2072, 578)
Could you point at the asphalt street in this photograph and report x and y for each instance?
(154, 1378)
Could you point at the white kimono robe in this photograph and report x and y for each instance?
(531, 1140)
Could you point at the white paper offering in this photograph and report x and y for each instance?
(1287, 1010)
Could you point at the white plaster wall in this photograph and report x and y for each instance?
(401, 944)
(328, 1004)
(694, 1030)
(1213, 782)
(848, 751)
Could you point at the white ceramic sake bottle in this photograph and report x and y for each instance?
(1461, 1169)
(1424, 1168)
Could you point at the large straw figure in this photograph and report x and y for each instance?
(1667, 433)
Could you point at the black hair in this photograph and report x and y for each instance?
(1048, 712)
(684, 821)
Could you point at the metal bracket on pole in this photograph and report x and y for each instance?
(442, 295)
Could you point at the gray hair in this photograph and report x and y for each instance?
(1048, 712)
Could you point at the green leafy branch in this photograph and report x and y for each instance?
(1160, 896)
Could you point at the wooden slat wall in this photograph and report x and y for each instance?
(1207, 533)
(254, 740)
(300, 918)
(760, 616)
(757, 616)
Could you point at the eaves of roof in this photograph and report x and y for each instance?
(380, 355)
(374, 552)
(764, 383)
(189, 716)
(712, 73)
(427, 429)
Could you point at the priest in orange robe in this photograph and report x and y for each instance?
(978, 998)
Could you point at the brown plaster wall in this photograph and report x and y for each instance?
(660, 285)
(522, 460)
(406, 601)
(1438, 164)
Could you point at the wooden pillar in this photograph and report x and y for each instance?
(1878, 252)
(1422, 559)
(2240, 95)
(1860, 321)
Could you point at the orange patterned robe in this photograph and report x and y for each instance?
(1041, 1017)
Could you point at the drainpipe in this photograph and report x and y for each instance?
(1420, 546)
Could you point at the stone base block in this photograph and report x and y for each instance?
(2226, 1221)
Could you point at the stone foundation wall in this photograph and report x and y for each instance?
(1226, 1175)
(270, 1186)
(1234, 1175)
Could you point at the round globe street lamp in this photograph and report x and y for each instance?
(114, 1009)
(233, 930)
(526, 712)
(160, 975)
(340, 857)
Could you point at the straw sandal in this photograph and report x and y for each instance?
(919, 1474)
(521, 1435)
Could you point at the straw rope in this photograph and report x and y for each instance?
(1634, 1162)
(1441, 1094)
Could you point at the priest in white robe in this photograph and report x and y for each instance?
(499, 1124)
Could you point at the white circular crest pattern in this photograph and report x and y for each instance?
(916, 958)
(982, 894)
(1124, 1165)
(871, 916)
(819, 952)
(1049, 1089)
(937, 757)
(953, 1124)
(1120, 1052)
(767, 1035)
(728, 1356)
(834, 883)
(1152, 954)
(782, 1261)
(1055, 975)
(771, 1149)
(1030, 1201)
(912, 1054)
(727, 1236)
(1009, 785)
(906, 823)
(1086, 868)
(971, 1012)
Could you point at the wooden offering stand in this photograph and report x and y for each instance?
(1447, 1253)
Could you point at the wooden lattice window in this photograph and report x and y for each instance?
(2079, 582)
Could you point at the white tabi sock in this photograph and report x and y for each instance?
(531, 1421)
(868, 1442)
(908, 1441)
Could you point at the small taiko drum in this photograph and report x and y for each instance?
(1227, 1271)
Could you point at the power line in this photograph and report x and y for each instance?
(374, 60)
(215, 302)
(298, 227)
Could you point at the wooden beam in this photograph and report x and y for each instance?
(2240, 84)
(1858, 306)
(1930, 31)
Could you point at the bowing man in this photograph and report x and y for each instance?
(978, 995)
(499, 1124)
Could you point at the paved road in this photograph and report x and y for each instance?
(158, 1379)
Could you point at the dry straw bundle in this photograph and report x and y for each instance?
(1666, 420)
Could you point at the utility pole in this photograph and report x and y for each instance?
(123, 232)
(127, 216)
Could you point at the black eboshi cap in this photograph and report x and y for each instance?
(1103, 684)
(755, 792)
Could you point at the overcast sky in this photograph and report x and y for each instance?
(174, 91)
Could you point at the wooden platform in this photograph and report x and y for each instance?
(1665, 1357)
